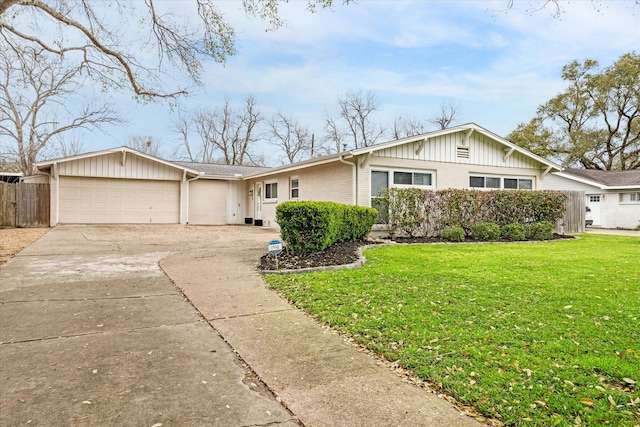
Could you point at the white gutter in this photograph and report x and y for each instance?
(354, 177)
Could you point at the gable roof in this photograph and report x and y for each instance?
(122, 150)
(606, 180)
(467, 127)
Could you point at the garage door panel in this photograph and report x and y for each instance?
(118, 201)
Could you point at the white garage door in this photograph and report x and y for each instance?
(208, 202)
(118, 201)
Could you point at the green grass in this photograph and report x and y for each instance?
(529, 334)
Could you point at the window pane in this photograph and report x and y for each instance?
(476, 181)
(511, 183)
(271, 191)
(525, 184)
(294, 193)
(422, 178)
(294, 183)
(403, 178)
(379, 182)
(493, 182)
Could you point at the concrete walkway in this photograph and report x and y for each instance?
(93, 332)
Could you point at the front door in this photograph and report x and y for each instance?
(593, 201)
(258, 200)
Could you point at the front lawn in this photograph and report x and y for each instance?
(526, 333)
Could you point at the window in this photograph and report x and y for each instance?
(491, 182)
(294, 188)
(511, 183)
(594, 199)
(629, 198)
(525, 184)
(494, 182)
(412, 178)
(402, 178)
(379, 183)
(271, 191)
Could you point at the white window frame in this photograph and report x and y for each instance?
(296, 188)
(268, 194)
(518, 180)
(630, 198)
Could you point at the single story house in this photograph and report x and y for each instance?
(612, 196)
(122, 185)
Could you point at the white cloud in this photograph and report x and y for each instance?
(498, 66)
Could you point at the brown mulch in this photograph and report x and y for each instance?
(13, 240)
(340, 254)
(337, 254)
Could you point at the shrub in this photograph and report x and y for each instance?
(513, 232)
(486, 231)
(415, 212)
(314, 226)
(453, 234)
(542, 230)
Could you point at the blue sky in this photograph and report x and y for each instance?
(497, 67)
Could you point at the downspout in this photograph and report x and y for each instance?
(187, 195)
(354, 178)
(53, 175)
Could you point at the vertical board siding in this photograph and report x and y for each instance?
(110, 166)
(482, 151)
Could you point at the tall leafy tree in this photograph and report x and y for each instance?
(595, 122)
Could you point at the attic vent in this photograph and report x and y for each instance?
(462, 152)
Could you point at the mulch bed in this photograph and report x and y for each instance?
(339, 254)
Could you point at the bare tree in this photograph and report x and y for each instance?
(69, 146)
(293, 139)
(407, 126)
(334, 138)
(355, 122)
(223, 135)
(92, 32)
(144, 144)
(36, 104)
(447, 116)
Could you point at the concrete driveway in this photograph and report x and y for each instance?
(94, 333)
(171, 325)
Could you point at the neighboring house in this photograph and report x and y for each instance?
(125, 186)
(612, 196)
(10, 177)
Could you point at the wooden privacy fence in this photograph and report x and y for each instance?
(573, 221)
(24, 205)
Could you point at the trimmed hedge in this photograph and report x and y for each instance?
(426, 213)
(314, 226)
